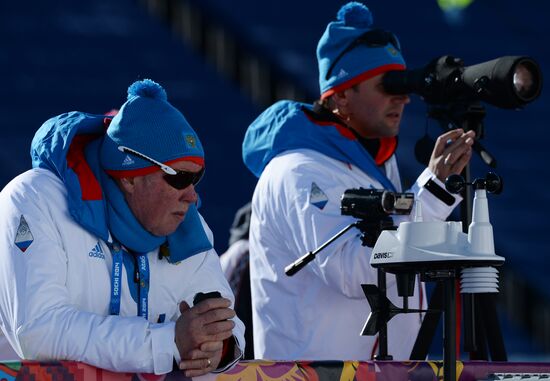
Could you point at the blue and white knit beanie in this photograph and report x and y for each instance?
(359, 64)
(150, 125)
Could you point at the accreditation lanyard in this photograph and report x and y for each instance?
(141, 276)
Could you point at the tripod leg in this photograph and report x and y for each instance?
(468, 318)
(429, 325)
(479, 349)
(383, 332)
(492, 328)
(449, 333)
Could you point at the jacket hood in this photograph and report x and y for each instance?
(289, 125)
(55, 148)
(68, 145)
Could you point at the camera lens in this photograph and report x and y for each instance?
(388, 202)
(526, 80)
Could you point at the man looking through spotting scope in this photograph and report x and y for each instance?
(306, 156)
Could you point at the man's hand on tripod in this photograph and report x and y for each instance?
(452, 152)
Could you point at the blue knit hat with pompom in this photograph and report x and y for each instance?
(358, 64)
(150, 125)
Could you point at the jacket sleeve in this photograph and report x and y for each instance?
(437, 203)
(209, 277)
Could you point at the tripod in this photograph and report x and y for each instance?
(481, 327)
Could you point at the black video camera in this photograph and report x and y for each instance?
(505, 82)
(373, 207)
(374, 204)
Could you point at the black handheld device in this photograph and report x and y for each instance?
(200, 296)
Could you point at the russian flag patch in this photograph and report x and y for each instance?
(23, 238)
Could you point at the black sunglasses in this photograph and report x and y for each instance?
(182, 179)
(375, 38)
(174, 178)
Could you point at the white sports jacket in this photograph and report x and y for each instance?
(55, 287)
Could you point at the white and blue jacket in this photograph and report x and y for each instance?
(56, 270)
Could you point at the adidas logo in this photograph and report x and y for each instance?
(342, 74)
(128, 161)
(97, 252)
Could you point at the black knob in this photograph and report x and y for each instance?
(493, 183)
(454, 183)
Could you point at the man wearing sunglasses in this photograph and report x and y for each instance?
(103, 249)
(306, 156)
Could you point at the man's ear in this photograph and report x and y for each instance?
(340, 102)
(340, 99)
(126, 184)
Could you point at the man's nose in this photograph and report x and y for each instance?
(402, 99)
(189, 194)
